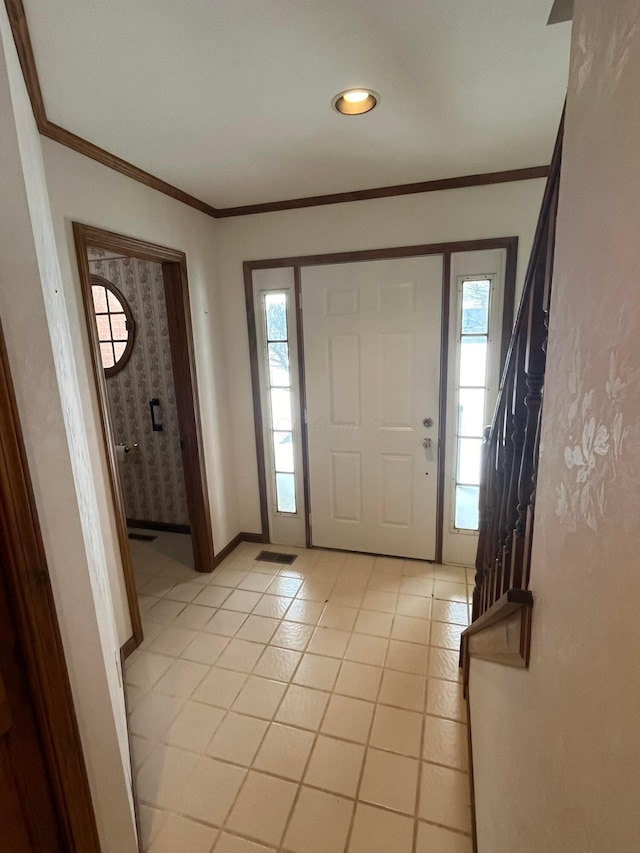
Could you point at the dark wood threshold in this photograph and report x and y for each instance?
(501, 635)
(163, 526)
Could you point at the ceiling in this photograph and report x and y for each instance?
(230, 100)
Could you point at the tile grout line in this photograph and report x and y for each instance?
(365, 756)
(421, 753)
(233, 763)
(359, 590)
(296, 798)
(283, 617)
(220, 828)
(316, 737)
(296, 597)
(251, 767)
(340, 660)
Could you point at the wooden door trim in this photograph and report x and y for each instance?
(391, 253)
(183, 360)
(304, 429)
(28, 581)
(297, 262)
(443, 397)
(174, 269)
(257, 402)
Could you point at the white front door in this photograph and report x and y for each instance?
(372, 334)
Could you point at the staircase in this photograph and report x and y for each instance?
(502, 601)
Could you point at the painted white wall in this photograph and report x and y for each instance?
(502, 210)
(43, 364)
(84, 191)
(557, 747)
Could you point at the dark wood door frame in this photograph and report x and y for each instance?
(174, 272)
(29, 589)
(297, 262)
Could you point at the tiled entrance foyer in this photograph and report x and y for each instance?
(282, 708)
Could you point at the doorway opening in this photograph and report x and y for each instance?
(374, 374)
(136, 304)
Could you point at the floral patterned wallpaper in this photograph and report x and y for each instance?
(595, 437)
(152, 477)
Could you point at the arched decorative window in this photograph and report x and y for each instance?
(115, 324)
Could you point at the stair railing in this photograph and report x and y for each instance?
(512, 443)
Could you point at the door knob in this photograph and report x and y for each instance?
(426, 442)
(427, 422)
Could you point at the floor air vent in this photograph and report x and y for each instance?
(142, 537)
(273, 557)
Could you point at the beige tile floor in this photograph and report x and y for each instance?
(311, 708)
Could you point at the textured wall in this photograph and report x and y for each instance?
(152, 478)
(557, 748)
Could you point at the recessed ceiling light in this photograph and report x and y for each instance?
(355, 96)
(354, 102)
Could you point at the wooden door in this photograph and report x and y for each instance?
(372, 334)
(27, 815)
(45, 802)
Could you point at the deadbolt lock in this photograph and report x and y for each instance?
(427, 422)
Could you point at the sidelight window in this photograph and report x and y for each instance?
(279, 394)
(474, 296)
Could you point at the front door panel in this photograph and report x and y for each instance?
(372, 364)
